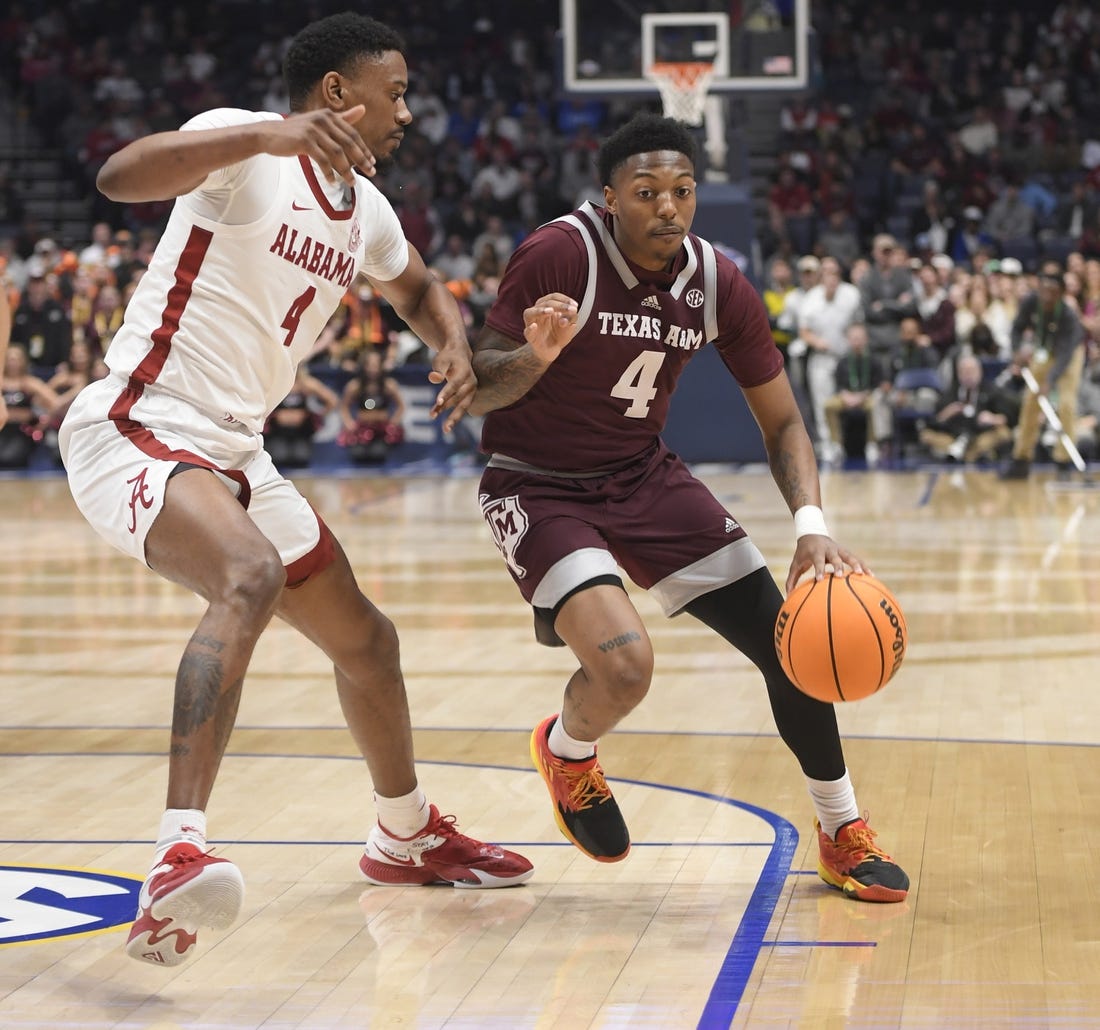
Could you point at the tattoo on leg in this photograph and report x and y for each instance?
(619, 641)
(198, 687)
(226, 715)
(216, 646)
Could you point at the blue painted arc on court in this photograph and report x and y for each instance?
(40, 903)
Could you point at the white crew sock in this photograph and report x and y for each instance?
(565, 746)
(179, 826)
(834, 801)
(405, 816)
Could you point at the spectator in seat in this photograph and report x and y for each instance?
(498, 237)
(39, 323)
(971, 422)
(914, 348)
(887, 292)
(809, 275)
(861, 397)
(1075, 211)
(931, 218)
(789, 197)
(371, 410)
(291, 427)
(27, 401)
(969, 238)
(1010, 218)
(979, 309)
(775, 299)
(934, 308)
(454, 262)
(824, 318)
(839, 238)
(979, 135)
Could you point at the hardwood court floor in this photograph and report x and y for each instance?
(978, 765)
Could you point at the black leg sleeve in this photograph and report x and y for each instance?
(744, 613)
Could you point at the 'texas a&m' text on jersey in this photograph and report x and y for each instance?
(605, 399)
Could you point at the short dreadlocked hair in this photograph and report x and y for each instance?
(643, 134)
(334, 44)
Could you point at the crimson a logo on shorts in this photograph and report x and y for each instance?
(139, 495)
(508, 523)
(40, 904)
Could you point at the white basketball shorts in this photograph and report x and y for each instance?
(118, 471)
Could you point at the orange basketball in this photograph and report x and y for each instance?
(841, 638)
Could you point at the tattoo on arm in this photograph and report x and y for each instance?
(505, 371)
(619, 641)
(789, 480)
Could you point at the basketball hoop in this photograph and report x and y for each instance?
(683, 86)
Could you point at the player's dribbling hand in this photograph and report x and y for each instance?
(823, 555)
(328, 137)
(451, 366)
(549, 324)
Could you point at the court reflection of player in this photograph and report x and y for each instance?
(371, 410)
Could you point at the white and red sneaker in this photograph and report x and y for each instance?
(439, 854)
(185, 890)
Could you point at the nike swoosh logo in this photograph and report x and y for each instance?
(298, 207)
(397, 859)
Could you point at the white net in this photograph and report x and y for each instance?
(683, 86)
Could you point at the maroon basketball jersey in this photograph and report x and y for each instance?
(605, 399)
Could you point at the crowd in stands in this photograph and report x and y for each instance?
(936, 165)
(941, 162)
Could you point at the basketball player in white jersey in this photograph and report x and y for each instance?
(274, 220)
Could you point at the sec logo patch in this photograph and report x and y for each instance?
(41, 903)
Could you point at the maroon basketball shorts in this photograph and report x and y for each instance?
(653, 519)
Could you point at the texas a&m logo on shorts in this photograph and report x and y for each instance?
(508, 523)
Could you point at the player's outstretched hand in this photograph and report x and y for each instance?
(823, 555)
(451, 366)
(326, 136)
(549, 324)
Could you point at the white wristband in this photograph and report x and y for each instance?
(809, 519)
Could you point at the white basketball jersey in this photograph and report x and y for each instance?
(250, 267)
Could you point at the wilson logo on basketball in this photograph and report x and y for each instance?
(898, 643)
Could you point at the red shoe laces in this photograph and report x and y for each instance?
(184, 858)
(444, 826)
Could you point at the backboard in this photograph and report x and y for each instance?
(754, 44)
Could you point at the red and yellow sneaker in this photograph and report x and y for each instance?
(439, 854)
(855, 864)
(584, 807)
(186, 890)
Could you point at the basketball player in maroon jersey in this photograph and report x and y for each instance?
(598, 313)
